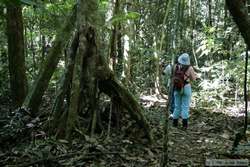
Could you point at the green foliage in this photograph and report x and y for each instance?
(221, 84)
(122, 17)
(29, 2)
(24, 2)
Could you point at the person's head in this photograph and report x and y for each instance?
(184, 59)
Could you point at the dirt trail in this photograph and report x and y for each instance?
(209, 136)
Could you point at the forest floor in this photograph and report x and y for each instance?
(210, 136)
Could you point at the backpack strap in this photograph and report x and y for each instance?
(186, 74)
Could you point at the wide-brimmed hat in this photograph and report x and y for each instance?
(184, 59)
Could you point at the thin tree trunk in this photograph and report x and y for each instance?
(113, 40)
(114, 56)
(192, 16)
(210, 13)
(34, 98)
(33, 53)
(113, 47)
(245, 91)
(183, 21)
(18, 80)
(58, 117)
(176, 27)
(163, 33)
(43, 43)
(119, 50)
(127, 57)
(164, 160)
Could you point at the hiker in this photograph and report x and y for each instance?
(167, 72)
(183, 75)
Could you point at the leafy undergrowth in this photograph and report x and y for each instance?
(210, 135)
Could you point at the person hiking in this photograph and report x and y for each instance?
(183, 75)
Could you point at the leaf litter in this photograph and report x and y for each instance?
(210, 135)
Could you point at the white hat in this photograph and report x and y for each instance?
(184, 59)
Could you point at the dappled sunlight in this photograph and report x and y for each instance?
(152, 100)
(232, 111)
(89, 83)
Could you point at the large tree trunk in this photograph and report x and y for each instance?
(18, 80)
(114, 88)
(239, 12)
(88, 96)
(34, 98)
(91, 71)
(84, 83)
(109, 84)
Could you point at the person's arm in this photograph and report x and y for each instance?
(191, 74)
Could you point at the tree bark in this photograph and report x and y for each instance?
(126, 74)
(119, 50)
(91, 71)
(210, 13)
(109, 84)
(72, 117)
(164, 159)
(18, 80)
(84, 83)
(58, 117)
(34, 98)
(238, 10)
(88, 77)
(113, 39)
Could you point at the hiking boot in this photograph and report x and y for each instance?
(184, 123)
(175, 122)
